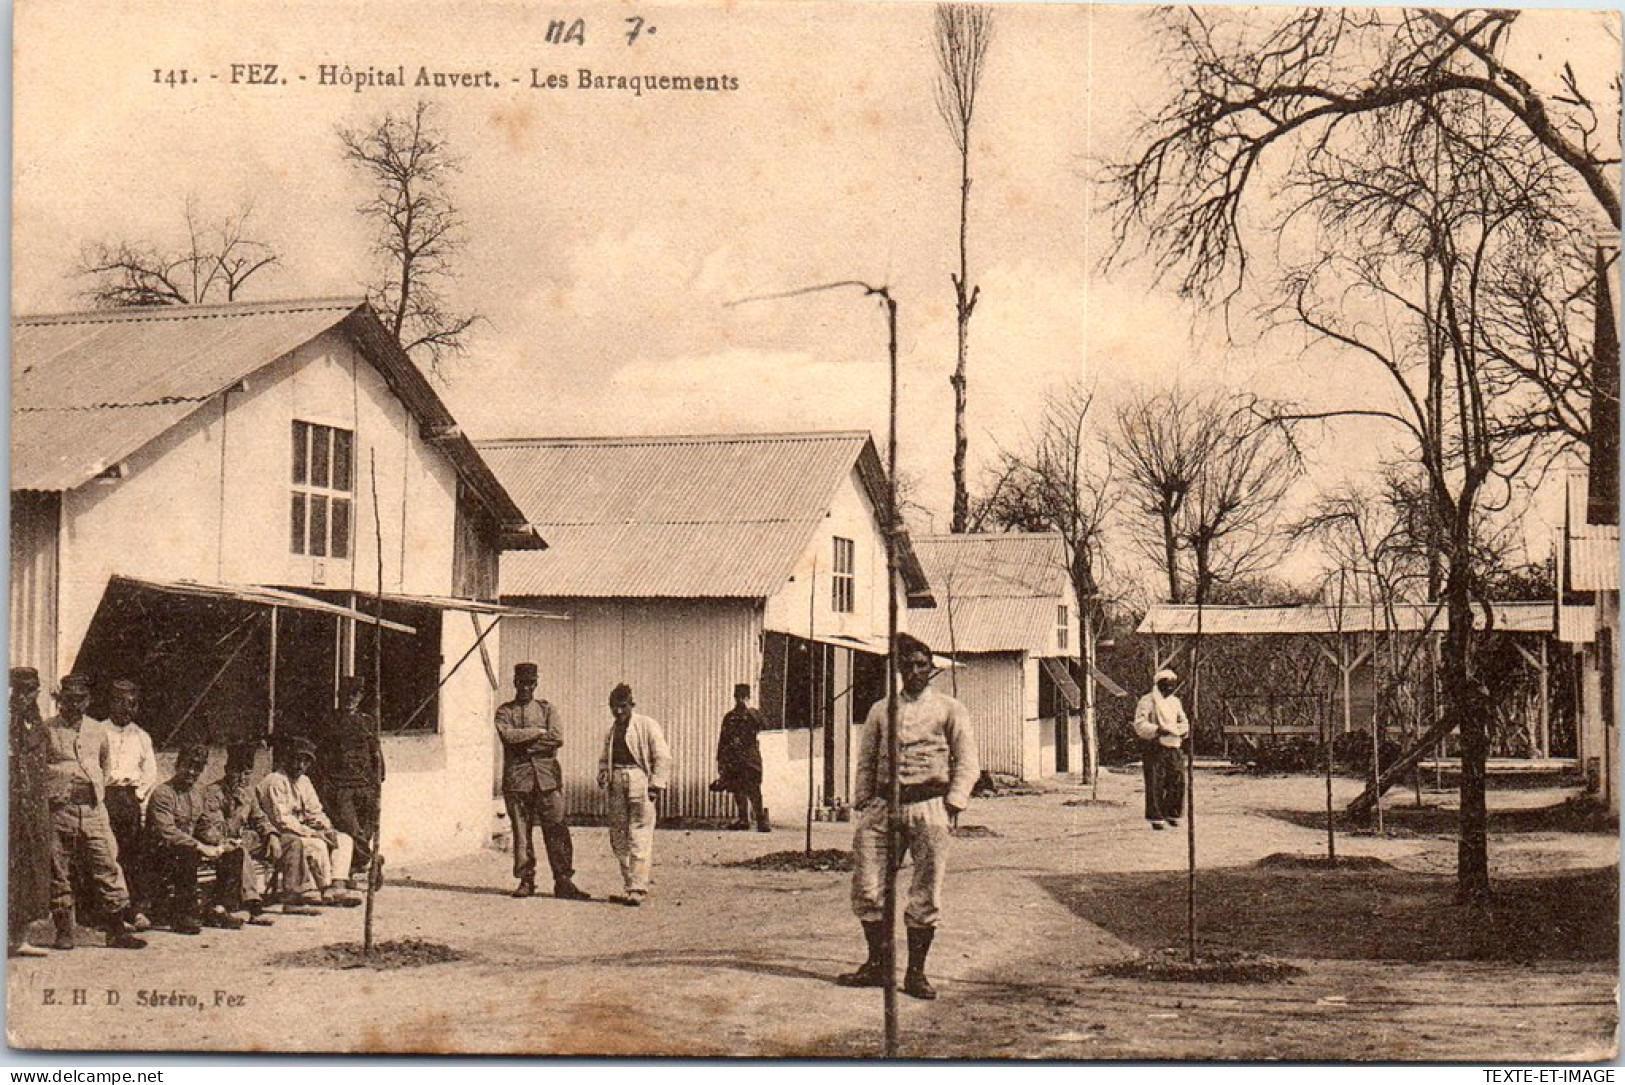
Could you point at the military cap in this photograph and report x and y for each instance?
(24, 678)
(195, 754)
(621, 695)
(241, 755)
(742, 690)
(908, 645)
(350, 685)
(125, 685)
(524, 672)
(75, 684)
(293, 747)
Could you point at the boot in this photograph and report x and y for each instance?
(527, 888)
(872, 972)
(121, 936)
(63, 918)
(914, 981)
(763, 825)
(566, 889)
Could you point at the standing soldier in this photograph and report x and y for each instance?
(533, 787)
(80, 835)
(634, 768)
(351, 768)
(131, 777)
(937, 766)
(739, 761)
(29, 865)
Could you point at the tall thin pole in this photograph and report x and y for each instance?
(377, 688)
(812, 693)
(894, 798)
(1190, 783)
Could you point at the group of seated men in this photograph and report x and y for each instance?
(255, 834)
(121, 848)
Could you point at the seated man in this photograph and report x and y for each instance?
(175, 815)
(234, 821)
(310, 849)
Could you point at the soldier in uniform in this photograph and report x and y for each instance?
(29, 858)
(350, 767)
(80, 835)
(936, 768)
(533, 786)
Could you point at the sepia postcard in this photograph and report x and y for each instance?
(815, 530)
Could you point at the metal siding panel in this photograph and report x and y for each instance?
(34, 524)
(990, 688)
(681, 659)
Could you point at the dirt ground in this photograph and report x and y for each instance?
(725, 960)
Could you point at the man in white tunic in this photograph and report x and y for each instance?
(937, 767)
(311, 849)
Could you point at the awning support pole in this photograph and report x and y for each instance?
(418, 711)
(270, 690)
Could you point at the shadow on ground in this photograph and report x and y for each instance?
(1356, 915)
(1572, 816)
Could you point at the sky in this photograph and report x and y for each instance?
(607, 234)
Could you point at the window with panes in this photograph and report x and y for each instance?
(843, 590)
(320, 515)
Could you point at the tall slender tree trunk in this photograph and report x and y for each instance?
(964, 303)
(1469, 710)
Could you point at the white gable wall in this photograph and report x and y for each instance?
(209, 501)
(850, 516)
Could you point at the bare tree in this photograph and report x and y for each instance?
(213, 264)
(962, 37)
(1261, 94)
(1206, 474)
(1426, 234)
(409, 165)
(1063, 483)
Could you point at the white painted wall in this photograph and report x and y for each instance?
(209, 500)
(851, 516)
(437, 793)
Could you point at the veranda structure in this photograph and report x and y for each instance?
(1348, 636)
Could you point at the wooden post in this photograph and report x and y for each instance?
(270, 705)
(894, 797)
(1545, 702)
(812, 695)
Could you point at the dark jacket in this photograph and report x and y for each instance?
(531, 738)
(351, 755)
(739, 758)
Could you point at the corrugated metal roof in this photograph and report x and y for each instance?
(986, 625)
(1594, 558)
(1002, 590)
(1012, 566)
(90, 389)
(721, 516)
(1180, 620)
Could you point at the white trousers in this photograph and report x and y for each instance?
(632, 826)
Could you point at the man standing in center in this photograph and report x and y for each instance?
(1161, 726)
(634, 767)
(533, 787)
(936, 766)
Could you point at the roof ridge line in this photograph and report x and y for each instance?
(151, 313)
(673, 438)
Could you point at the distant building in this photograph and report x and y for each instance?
(1005, 615)
(689, 564)
(192, 506)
